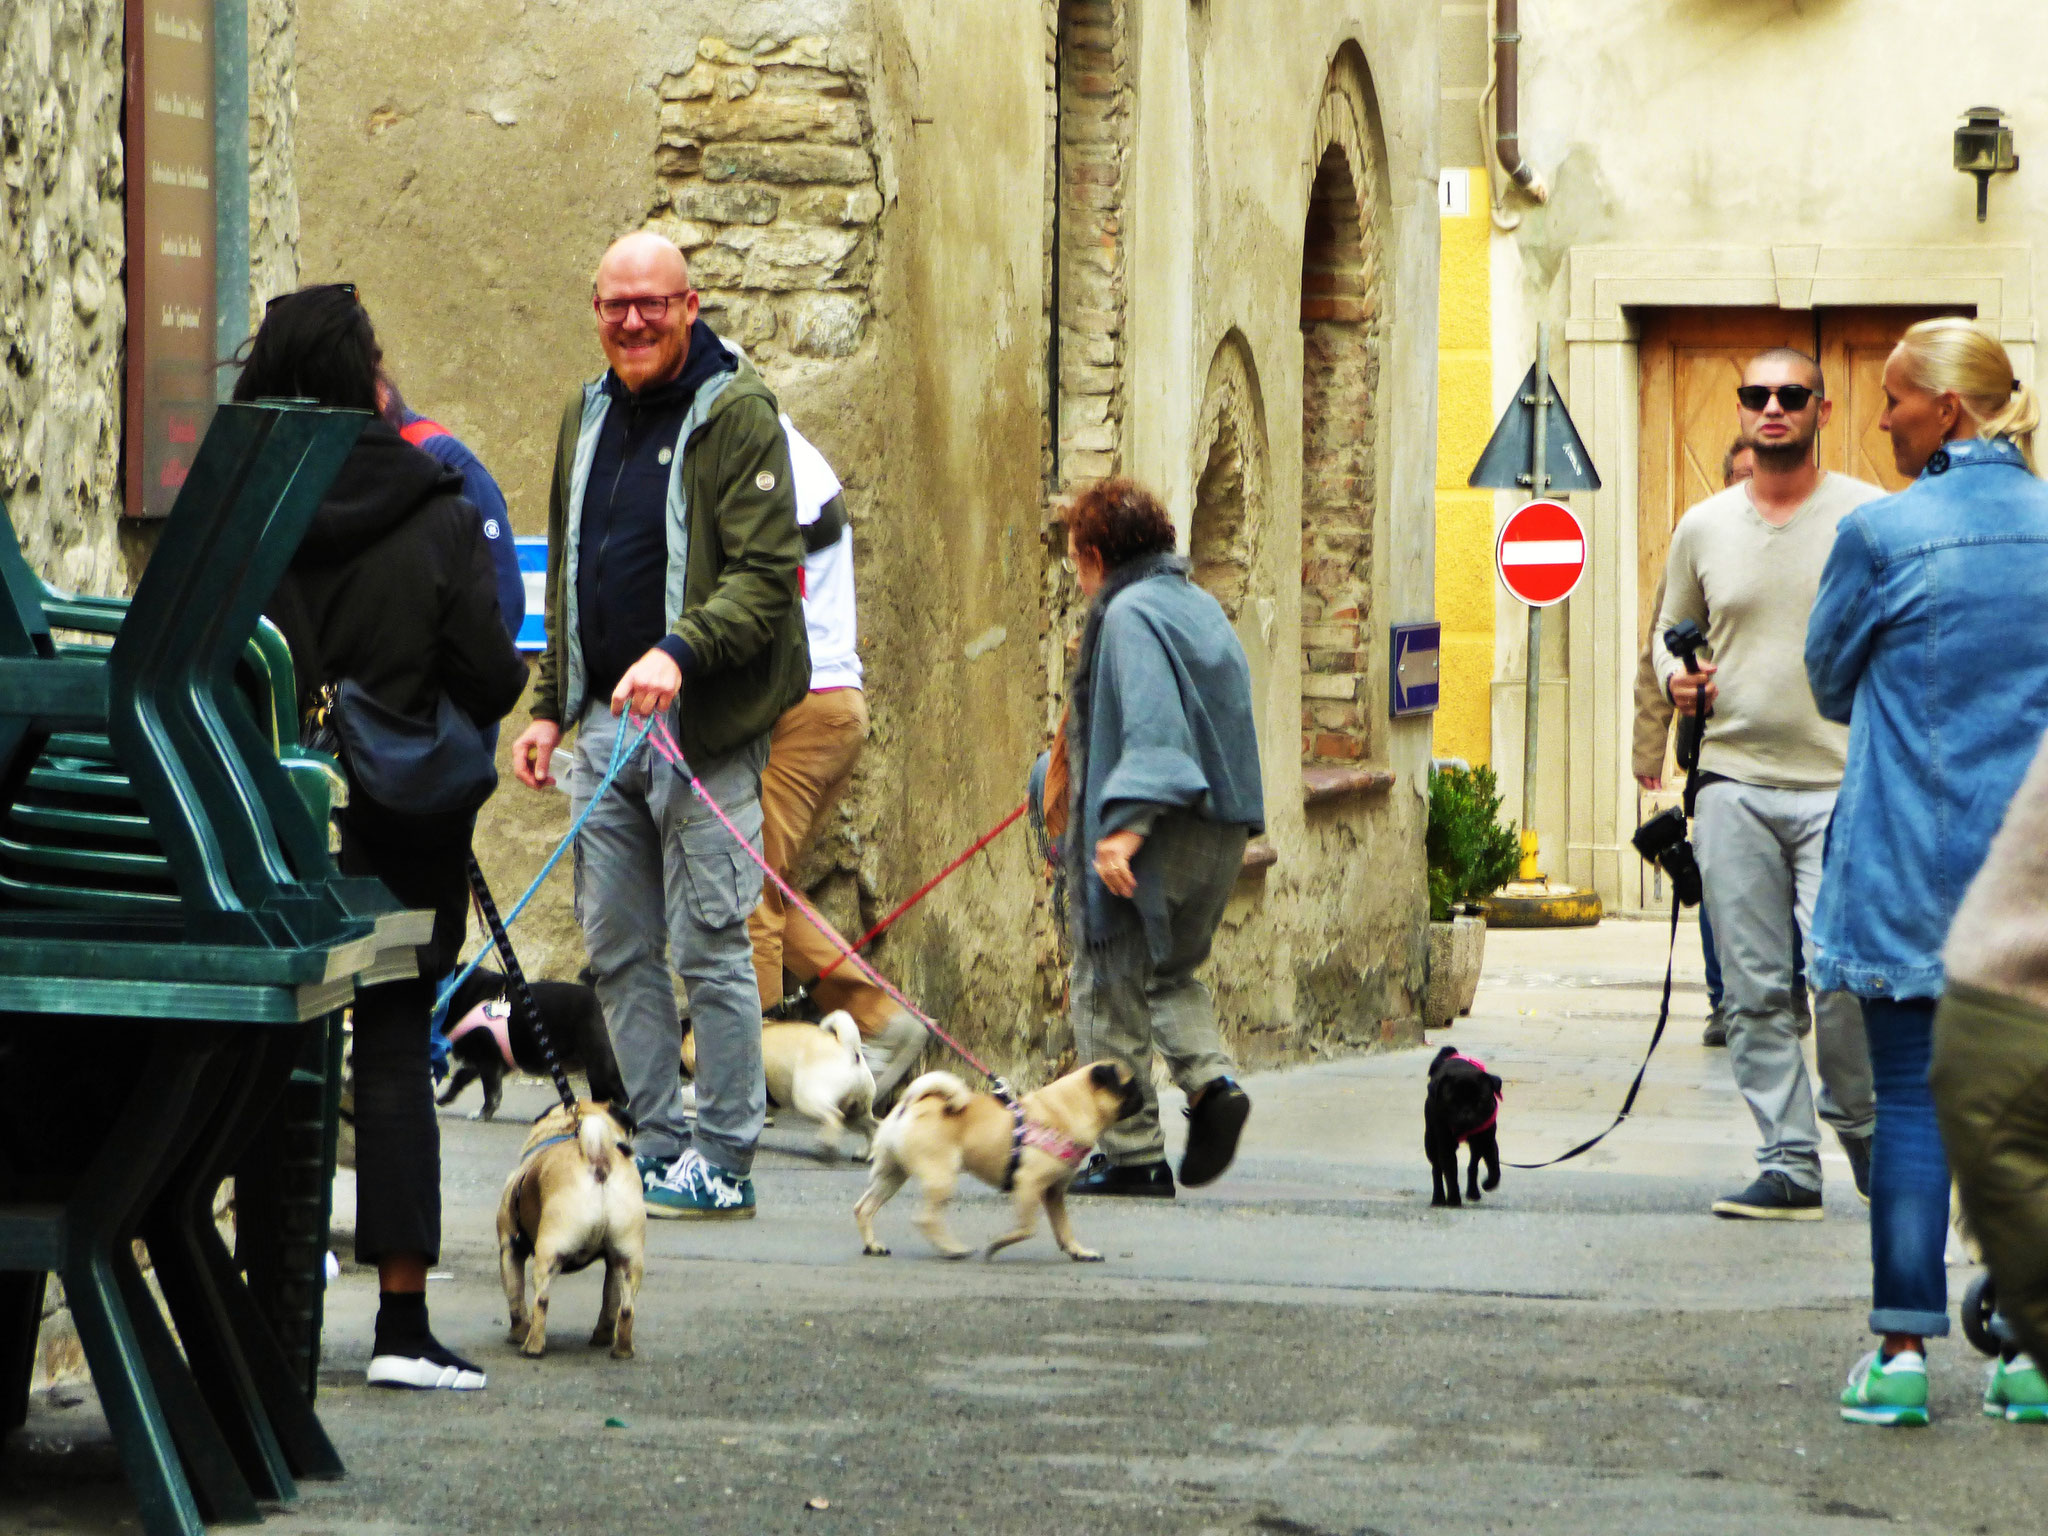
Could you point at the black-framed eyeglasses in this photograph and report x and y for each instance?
(347, 288)
(1794, 397)
(653, 307)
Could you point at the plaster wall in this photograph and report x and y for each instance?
(466, 167)
(1730, 152)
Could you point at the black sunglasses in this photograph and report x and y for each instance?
(1794, 397)
(347, 288)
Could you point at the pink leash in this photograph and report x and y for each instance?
(665, 744)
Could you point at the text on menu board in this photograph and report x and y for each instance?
(171, 339)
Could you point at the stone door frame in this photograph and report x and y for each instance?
(1600, 379)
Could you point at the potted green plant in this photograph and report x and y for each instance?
(1471, 853)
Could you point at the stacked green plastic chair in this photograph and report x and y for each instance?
(174, 940)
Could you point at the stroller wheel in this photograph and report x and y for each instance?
(1980, 1303)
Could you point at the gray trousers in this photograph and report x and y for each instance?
(660, 882)
(1125, 1008)
(1759, 852)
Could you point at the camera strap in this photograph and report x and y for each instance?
(1628, 1104)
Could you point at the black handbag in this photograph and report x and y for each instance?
(437, 767)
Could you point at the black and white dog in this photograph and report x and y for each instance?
(488, 1038)
(1462, 1105)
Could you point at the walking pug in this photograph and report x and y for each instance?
(1462, 1104)
(573, 1199)
(1031, 1149)
(818, 1071)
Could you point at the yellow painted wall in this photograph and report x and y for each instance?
(1464, 517)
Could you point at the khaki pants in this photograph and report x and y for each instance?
(1990, 1079)
(811, 754)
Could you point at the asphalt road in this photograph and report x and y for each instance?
(1305, 1348)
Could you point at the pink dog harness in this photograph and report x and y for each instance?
(1488, 1124)
(1029, 1133)
(494, 1017)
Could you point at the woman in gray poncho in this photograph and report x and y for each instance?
(1162, 758)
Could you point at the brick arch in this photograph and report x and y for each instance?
(1228, 528)
(1089, 131)
(1342, 322)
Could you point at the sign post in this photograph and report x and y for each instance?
(1540, 555)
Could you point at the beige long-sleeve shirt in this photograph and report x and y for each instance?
(1750, 587)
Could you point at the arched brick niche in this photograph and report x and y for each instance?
(1089, 123)
(1341, 324)
(1228, 528)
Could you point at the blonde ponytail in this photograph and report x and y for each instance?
(1951, 356)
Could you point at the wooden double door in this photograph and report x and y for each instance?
(1692, 359)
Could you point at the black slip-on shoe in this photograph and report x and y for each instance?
(1716, 1032)
(1214, 1124)
(1773, 1197)
(1145, 1181)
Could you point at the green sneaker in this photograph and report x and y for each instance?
(694, 1190)
(1890, 1391)
(2017, 1392)
(652, 1170)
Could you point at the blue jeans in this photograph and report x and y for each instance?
(1909, 1181)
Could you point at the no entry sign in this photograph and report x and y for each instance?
(1541, 553)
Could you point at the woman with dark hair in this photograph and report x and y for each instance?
(392, 589)
(1154, 789)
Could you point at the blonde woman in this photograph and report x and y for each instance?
(1927, 639)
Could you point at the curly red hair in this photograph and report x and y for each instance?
(1119, 521)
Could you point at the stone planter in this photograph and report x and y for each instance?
(1456, 951)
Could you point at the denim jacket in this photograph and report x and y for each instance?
(1930, 638)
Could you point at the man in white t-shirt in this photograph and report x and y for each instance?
(1744, 566)
(811, 755)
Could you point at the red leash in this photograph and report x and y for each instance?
(925, 890)
(665, 744)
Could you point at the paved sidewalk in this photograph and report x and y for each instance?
(1304, 1348)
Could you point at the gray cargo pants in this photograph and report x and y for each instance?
(1759, 851)
(1125, 1008)
(660, 882)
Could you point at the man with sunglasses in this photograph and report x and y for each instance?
(673, 559)
(1745, 566)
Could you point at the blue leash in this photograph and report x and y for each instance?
(622, 752)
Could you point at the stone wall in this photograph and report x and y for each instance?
(62, 246)
(768, 182)
(273, 152)
(1339, 397)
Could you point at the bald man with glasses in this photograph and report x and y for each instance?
(673, 560)
(1745, 566)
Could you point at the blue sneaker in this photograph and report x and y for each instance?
(694, 1190)
(652, 1170)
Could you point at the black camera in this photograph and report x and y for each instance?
(1684, 640)
(1662, 841)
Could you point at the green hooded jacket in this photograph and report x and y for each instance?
(733, 531)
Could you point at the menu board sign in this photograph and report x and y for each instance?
(172, 258)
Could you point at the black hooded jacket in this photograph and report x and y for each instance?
(394, 586)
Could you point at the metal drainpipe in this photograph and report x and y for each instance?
(1507, 104)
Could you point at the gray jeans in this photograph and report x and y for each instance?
(1126, 1008)
(660, 882)
(1759, 851)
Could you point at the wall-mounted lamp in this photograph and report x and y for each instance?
(1984, 149)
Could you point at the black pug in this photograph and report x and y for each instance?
(482, 1026)
(1462, 1105)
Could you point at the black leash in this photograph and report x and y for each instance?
(1636, 1087)
(522, 998)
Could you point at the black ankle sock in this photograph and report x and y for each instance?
(402, 1323)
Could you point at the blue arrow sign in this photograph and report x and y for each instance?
(1415, 653)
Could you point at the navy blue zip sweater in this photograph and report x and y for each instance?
(622, 553)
